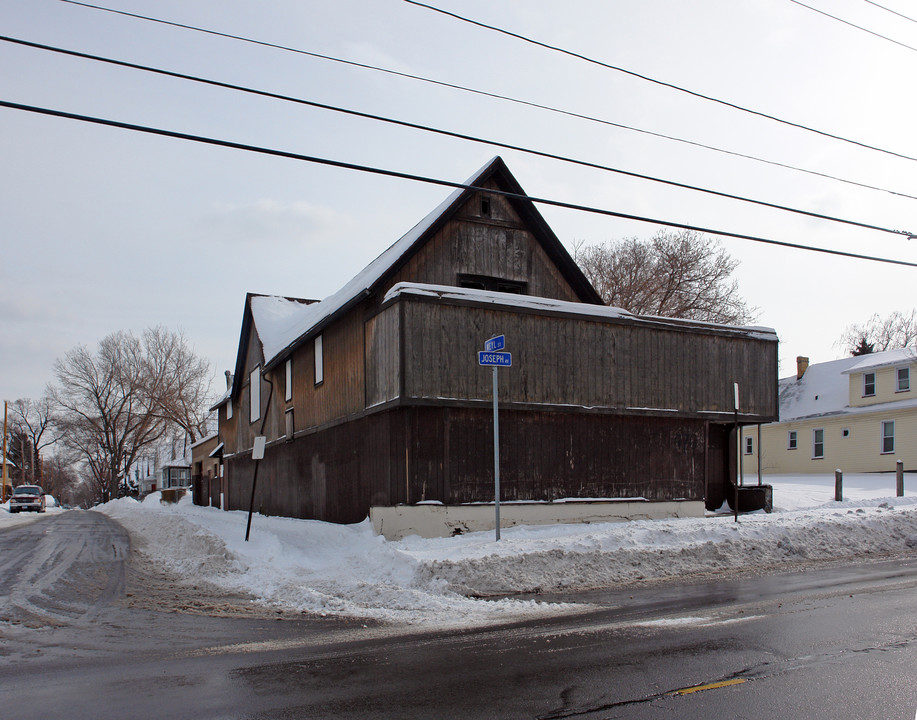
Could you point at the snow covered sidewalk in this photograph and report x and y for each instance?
(332, 569)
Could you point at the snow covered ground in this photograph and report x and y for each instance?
(332, 569)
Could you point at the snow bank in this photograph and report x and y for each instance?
(302, 565)
(346, 569)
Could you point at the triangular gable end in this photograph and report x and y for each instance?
(497, 173)
(267, 330)
(380, 271)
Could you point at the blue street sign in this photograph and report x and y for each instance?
(500, 359)
(497, 343)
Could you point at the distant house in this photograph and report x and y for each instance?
(857, 414)
(164, 466)
(207, 471)
(374, 396)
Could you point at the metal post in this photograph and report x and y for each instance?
(4, 474)
(838, 485)
(735, 508)
(759, 454)
(496, 457)
(899, 478)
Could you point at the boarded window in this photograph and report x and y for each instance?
(255, 393)
(319, 361)
(288, 418)
(288, 380)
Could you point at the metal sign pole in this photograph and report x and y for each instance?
(496, 457)
(492, 356)
(738, 454)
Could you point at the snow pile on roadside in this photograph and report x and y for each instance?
(346, 569)
(301, 565)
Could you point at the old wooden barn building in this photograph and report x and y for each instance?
(374, 396)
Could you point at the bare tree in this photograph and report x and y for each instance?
(106, 414)
(59, 478)
(34, 419)
(898, 330)
(674, 274)
(178, 381)
(126, 396)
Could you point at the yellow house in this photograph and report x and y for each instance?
(857, 414)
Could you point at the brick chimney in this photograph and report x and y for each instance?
(802, 364)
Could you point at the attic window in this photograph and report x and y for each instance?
(485, 206)
(491, 284)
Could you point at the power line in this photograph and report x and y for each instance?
(435, 181)
(446, 133)
(661, 83)
(854, 25)
(496, 96)
(893, 12)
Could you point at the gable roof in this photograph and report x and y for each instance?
(271, 317)
(824, 388)
(300, 324)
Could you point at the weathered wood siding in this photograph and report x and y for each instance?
(498, 245)
(410, 455)
(383, 356)
(342, 391)
(608, 365)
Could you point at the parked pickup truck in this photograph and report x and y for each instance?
(27, 497)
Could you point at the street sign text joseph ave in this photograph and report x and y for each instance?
(500, 359)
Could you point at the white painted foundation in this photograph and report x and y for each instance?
(430, 521)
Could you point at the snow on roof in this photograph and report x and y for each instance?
(282, 328)
(204, 439)
(824, 389)
(888, 358)
(276, 318)
(223, 398)
(532, 302)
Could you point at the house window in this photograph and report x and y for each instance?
(869, 384)
(485, 206)
(255, 393)
(818, 443)
(319, 362)
(288, 380)
(749, 446)
(791, 440)
(903, 379)
(888, 437)
(288, 421)
(845, 432)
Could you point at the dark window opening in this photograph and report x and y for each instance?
(485, 206)
(492, 284)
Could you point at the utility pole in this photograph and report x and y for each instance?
(5, 471)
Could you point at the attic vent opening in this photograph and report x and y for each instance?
(485, 206)
(491, 284)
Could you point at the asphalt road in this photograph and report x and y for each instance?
(826, 642)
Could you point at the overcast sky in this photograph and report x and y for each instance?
(106, 229)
